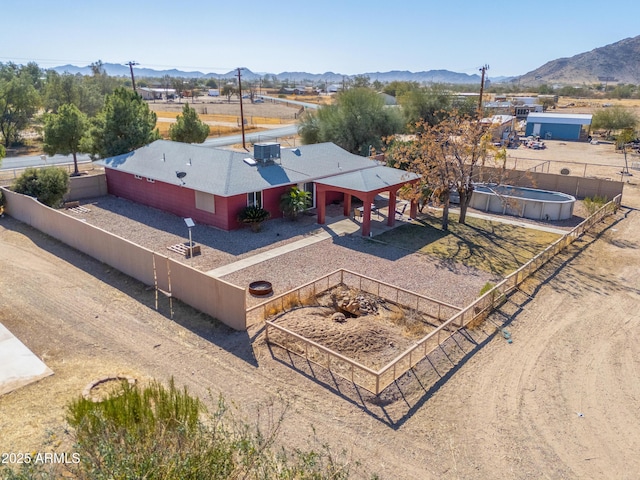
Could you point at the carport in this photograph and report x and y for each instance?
(366, 184)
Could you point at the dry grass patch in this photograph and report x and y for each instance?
(493, 247)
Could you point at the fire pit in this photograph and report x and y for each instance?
(260, 288)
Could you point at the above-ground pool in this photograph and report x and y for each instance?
(522, 202)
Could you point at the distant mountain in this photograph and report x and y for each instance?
(431, 76)
(617, 63)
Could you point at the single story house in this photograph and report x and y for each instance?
(155, 93)
(212, 185)
(558, 126)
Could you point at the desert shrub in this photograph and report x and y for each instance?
(164, 433)
(48, 185)
(253, 216)
(487, 286)
(595, 203)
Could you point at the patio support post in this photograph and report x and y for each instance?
(366, 216)
(391, 217)
(346, 211)
(321, 204)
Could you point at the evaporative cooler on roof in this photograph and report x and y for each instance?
(266, 152)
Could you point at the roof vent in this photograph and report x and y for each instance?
(266, 152)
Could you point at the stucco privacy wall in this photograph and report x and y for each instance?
(579, 187)
(213, 296)
(86, 186)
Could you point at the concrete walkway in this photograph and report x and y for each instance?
(338, 226)
(335, 227)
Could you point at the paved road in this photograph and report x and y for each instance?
(313, 106)
(265, 136)
(10, 163)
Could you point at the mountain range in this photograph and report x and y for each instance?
(431, 76)
(614, 63)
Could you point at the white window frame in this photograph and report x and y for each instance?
(254, 199)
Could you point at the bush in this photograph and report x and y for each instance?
(294, 201)
(164, 433)
(593, 204)
(48, 185)
(253, 216)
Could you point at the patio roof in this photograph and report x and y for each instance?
(374, 179)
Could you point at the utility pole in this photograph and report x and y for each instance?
(483, 70)
(133, 80)
(241, 111)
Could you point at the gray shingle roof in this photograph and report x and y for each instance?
(369, 180)
(225, 173)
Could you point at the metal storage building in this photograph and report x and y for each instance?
(558, 126)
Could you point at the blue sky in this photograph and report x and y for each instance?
(347, 37)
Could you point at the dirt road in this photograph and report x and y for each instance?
(561, 401)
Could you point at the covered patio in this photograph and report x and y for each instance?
(365, 185)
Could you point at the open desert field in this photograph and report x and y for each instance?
(561, 401)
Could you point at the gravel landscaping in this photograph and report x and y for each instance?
(446, 281)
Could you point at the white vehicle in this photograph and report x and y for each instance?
(214, 92)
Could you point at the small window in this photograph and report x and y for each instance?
(206, 202)
(254, 199)
(150, 180)
(138, 177)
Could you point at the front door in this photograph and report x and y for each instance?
(311, 188)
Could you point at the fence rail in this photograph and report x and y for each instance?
(376, 381)
(295, 297)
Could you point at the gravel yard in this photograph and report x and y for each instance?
(445, 281)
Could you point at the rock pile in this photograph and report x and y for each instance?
(357, 304)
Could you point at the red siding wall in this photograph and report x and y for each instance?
(182, 201)
(334, 197)
(169, 198)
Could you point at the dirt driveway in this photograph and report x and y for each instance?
(561, 401)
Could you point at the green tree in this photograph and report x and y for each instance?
(125, 124)
(294, 202)
(398, 88)
(48, 185)
(227, 91)
(100, 80)
(357, 122)
(425, 106)
(614, 118)
(19, 101)
(66, 133)
(361, 81)
(188, 127)
(75, 89)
